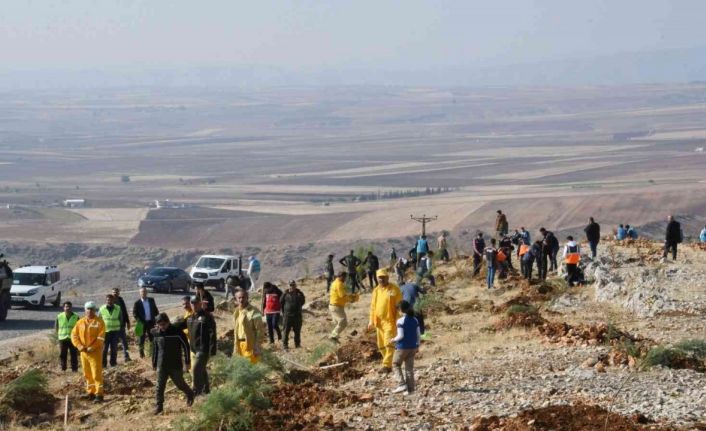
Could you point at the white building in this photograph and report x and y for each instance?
(75, 203)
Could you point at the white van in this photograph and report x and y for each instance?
(214, 270)
(36, 285)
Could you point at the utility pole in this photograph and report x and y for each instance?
(423, 220)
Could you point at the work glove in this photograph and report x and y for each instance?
(89, 349)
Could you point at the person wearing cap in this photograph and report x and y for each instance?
(88, 336)
(112, 318)
(384, 315)
(63, 326)
(124, 323)
(202, 341)
(293, 301)
(253, 273)
(170, 344)
(338, 298)
(248, 328)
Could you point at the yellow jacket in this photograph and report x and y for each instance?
(88, 333)
(187, 314)
(383, 306)
(253, 327)
(339, 295)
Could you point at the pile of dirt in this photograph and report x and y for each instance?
(566, 417)
(586, 335)
(121, 381)
(358, 354)
(517, 300)
(299, 407)
(529, 318)
(26, 399)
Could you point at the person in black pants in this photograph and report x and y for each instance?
(272, 307)
(63, 325)
(124, 324)
(478, 247)
(593, 236)
(328, 268)
(170, 344)
(292, 302)
(673, 236)
(145, 311)
(372, 264)
(202, 340)
(552, 249)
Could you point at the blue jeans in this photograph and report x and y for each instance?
(594, 248)
(491, 276)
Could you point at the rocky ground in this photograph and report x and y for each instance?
(520, 357)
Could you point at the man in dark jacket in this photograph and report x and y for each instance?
(145, 312)
(478, 248)
(372, 264)
(673, 236)
(292, 302)
(125, 322)
(202, 339)
(593, 235)
(169, 345)
(552, 248)
(330, 272)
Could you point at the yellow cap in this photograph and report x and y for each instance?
(382, 273)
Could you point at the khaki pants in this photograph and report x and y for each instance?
(406, 356)
(339, 318)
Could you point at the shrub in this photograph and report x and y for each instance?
(694, 348)
(428, 303)
(321, 351)
(662, 356)
(230, 407)
(521, 309)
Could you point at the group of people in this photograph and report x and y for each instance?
(184, 344)
(625, 232)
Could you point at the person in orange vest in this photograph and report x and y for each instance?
(522, 249)
(572, 257)
(88, 336)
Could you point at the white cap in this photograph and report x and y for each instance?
(90, 305)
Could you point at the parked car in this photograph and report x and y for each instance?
(165, 279)
(36, 285)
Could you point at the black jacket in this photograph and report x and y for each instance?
(551, 241)
(372, 263)
(202, 332)
(138, 311)
(123, 310)
(673, 233)
(292, 302)
(593, 231)
(168, 348)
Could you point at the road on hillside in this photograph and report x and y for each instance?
(22, 321)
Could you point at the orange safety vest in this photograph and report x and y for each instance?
(524, 248)
(501, 256)
(573, 257)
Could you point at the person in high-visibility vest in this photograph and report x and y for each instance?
(112, 317)
(65, 322)
(522, 249)
(88, 336)
(572, 257)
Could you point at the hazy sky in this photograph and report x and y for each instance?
(310, 35)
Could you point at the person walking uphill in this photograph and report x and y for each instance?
(501, 225)
(145, 312)
(673, 236)
(383, 316)
(293, 301)
(63, 326)
(248, 328)
(406, 344)
(271, 305)
(124, 323)
(202, 341)
(593, 236)
(88, 337)
(338, 299)
(112, 317)
(170, 344)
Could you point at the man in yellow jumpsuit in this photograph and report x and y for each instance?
(88, 336)
(249, 328)
(384, 315)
